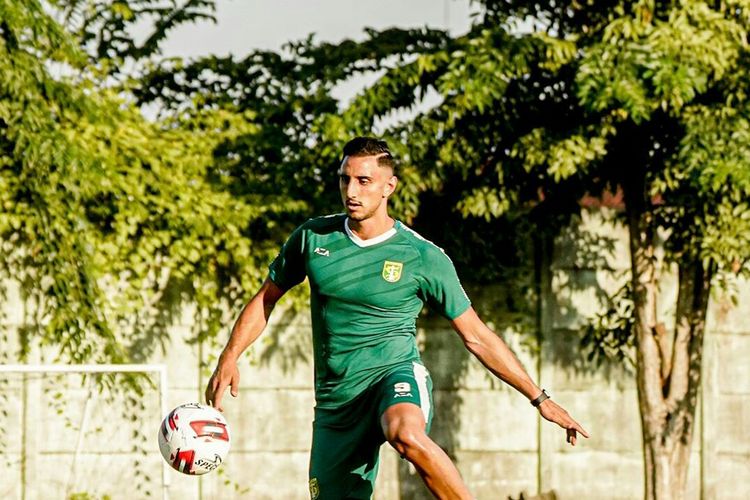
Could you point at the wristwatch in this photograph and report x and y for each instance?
(542, 397)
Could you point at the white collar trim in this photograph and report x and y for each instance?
(368, 242)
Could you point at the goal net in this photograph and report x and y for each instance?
(82, 431)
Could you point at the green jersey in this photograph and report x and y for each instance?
(365, 296)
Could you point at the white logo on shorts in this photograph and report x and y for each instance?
(403, 389)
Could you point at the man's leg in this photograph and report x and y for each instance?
(404, 428)
(344, 455)
(405, 411)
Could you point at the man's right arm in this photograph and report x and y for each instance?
(248, 327)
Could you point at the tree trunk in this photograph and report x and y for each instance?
(668, 361)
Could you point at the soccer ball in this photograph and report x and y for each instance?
(194, 438)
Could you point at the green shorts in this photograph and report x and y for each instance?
(346, 440)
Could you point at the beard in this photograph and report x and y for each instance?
(360, 215)
(361, 212)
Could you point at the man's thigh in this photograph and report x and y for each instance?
(410, 383)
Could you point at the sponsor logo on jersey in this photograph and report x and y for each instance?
(392, 271)
(314, 488)
(322, 251)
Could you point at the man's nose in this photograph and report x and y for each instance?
(351, 190)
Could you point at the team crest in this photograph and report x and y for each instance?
(314, 488)
(392, 271)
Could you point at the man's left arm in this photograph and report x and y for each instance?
(497, 357)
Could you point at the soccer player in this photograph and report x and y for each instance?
(369, 277)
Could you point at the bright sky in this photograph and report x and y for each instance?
(243, 25)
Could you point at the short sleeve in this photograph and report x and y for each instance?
(440, 286)
(288, 268)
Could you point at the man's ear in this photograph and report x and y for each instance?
(390, 186)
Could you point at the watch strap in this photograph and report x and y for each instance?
(539, 399)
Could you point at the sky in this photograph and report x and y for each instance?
(243, 25)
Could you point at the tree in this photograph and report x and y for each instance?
(649, 99)
(105, 28)
(107, 220)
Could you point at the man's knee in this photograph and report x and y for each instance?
(406, 434)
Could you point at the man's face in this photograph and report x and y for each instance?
(364, 186)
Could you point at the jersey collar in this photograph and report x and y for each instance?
(371, 241)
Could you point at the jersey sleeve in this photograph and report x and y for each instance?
(288, 268)
(440, 286)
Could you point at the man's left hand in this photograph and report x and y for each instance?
(555, 413)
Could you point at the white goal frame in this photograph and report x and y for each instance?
(160, 369)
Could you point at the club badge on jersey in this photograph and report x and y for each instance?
(392, 271)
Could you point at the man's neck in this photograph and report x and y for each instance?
(370, 228)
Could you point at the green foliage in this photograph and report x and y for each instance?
(609, 336)
(300, 127)
(112, 223)
(40, 230)
(104, 28)
(648, 97)
(108, 221)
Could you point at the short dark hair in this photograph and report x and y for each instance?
(370, 146)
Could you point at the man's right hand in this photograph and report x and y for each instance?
(226, 374)
(247, 328)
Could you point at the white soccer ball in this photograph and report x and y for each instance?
(194, 438)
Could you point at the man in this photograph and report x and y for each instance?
(369, 277)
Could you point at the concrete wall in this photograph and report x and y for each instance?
(495, 436)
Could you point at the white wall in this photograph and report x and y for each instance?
(495, 436)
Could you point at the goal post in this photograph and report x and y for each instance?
(159, 369)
